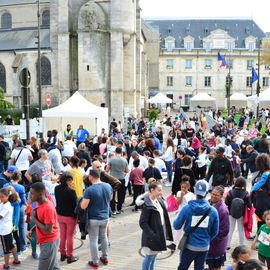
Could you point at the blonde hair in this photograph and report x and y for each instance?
(82, 146)
(151, 180)
(34, 141)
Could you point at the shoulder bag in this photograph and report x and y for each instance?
(183, 242)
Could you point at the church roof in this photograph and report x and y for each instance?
(239, 29)
(20, 2)
(23, 39)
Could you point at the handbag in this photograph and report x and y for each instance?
(183, 242)
(172, 204)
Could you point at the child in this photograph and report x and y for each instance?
(45, 219)
(236, 163)
(6, 227)
(136, 178)
(237, 208)
(263, 235)
(16, 217)
(201, 162)
(82, 165)
(183, 196)
(240, 255)
(66, 165)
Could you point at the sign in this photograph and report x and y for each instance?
(180, 97)
(48, 99)
(25, 77)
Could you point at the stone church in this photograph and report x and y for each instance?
(94, 46)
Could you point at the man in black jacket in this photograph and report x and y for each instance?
(221, 169)
(250, 161)
(245, 143)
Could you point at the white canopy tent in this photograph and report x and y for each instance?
(159, 98)
(238, 100)
(203, 100)
(76, 110)
(263, 100)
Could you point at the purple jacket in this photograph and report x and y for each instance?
(218, 245)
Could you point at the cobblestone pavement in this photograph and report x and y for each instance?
(125, 237)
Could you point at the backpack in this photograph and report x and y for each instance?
(7, 152)
(237, 206)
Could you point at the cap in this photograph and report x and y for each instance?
(220, 150)
(127, 137)
(12, 169)
(201, 188)
(2, 136)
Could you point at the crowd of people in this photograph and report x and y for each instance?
(55, 185)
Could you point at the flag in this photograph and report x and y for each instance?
(220, 58)
(254, 75)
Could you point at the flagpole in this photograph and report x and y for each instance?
(258, 81)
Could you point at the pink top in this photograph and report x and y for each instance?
(102, 148)
(136, 176)
(195, 143)
(253, 132)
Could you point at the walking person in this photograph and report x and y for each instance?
(118, 167)
(97, 199)
(237, 199)
(155, 224)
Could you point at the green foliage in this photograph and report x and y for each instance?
(153, 114)
(4, 104)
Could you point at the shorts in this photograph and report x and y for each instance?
(7, 243)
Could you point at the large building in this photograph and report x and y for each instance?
(96, 47)
(188, 62)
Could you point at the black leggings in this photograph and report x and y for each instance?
(17, 240)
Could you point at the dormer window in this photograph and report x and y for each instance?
(169, 46)
(208, 46)
(169, 43)
(229, 46)
(250, 46)
(188, 46)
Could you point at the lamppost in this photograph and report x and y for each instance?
(258, 81)
(228, 89)
(39, 65)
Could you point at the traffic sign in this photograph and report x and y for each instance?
(48, 99)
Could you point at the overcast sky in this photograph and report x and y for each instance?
(259, 10)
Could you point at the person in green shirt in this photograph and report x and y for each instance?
(263, 235)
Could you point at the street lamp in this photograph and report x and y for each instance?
(258, 81)
(228, 89)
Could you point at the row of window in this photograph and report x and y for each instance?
(189, 45)
(208, 63)
(46, 77)
(6, 19)
(207, 81)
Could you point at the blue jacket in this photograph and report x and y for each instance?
(81, 138)
(261, 182)
(16, 215)
(200, 239)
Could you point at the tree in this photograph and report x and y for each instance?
(4, 104)
(153, 114)
(265, 58)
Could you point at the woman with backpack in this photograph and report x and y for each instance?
(237, 199)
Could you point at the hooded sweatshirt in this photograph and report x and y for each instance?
(189, 216)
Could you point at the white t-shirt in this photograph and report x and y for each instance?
(69, 148)
(56, 159)
(188, 197)
(143, 163)
(22, 162)
(66, 168)
(6, 211)
(160, 164)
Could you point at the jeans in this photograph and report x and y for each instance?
(67, 229)
(188, 256)
(121, 193)
(97, 230)
(240, 228)
(22, 228)
(168, 165)
(149, 262)
(2, 167)
(48, 256)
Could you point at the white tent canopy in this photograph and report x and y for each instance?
(159, 98)
(75, 111)
(203, 100)
(238, 100)
(263, 100)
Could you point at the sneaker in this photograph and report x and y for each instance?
(4, 267)
(168, 184)
(72, 259)
(118, 212)
(114, 213)
(104, 261)
(16, 263)
(93, 265)
(35, 255)
(63, 257)
(172, 246)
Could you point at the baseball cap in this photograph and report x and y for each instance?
(201, 188)
(127, 137)
(12, 169)
(220, 150)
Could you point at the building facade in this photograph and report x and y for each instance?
(188, 62)
(96, 47)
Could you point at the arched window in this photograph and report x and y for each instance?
(45, 18)
(3, 77)
(46, 76)
(6, 21)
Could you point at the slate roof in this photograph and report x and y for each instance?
(201, 28)
(18, 2)
(23, 39)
